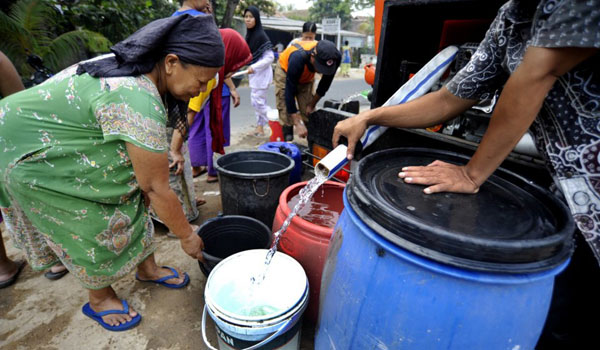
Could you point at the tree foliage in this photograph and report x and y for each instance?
(367, 27)
(266, 7)
(115, 19)
(331, 9)
(63, 32)
(224, 10)
(361, 4)
(34, 27)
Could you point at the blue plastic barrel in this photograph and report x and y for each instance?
(447, 271)
(290, 150)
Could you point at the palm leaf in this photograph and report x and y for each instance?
(96, 42)
(70, 48)
(35, 16)
(15, 41)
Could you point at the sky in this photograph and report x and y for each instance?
(302, 5)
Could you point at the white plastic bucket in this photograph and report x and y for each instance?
(265, 317)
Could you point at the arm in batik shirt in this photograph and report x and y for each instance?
(519, 103)
(482, 74)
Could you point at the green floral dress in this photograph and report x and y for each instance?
(67, 186)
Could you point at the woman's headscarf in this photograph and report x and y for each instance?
(194, 40)
(256, 37)
(237, 55)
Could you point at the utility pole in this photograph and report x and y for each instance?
(339, 39)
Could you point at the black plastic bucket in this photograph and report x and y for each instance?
(251, 182)
(226, 235)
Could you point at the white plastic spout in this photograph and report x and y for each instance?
(415, 87)
(332, 162)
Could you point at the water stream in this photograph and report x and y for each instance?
(306, 193)
(252, 306)
(352, 97)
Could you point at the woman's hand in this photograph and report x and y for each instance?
(193, 245)
(178, 161)
(301, 129)
(236, 97)
(443, 177)
(309, 109)
(250, 70)
(299, 124)
(352, 129)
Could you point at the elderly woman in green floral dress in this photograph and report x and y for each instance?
(84, 153)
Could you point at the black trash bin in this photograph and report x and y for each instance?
(227, 235)
(251, 182)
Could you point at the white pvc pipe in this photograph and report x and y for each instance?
(239, 74)
(415, 87)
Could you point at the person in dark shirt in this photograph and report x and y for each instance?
(294, 77)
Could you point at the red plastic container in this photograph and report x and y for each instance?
(276, 131)
(308, 242)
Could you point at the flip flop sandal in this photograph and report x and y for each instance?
(162, 280)
(210, 181)
(203, 171)
(55, 275)
(97, 316)
(9, 282)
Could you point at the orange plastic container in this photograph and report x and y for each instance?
(369, 74)
(307, 242)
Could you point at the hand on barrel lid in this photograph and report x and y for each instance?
(441, 176)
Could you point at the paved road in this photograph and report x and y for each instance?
(243, 118)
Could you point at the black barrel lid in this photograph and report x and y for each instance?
(511, 225)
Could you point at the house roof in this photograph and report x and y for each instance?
(295, 26)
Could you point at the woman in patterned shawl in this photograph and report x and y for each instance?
(84, 154)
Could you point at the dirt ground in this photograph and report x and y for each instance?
(36, 313)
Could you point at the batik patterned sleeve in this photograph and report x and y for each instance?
(573, 23)
(484, 74)
(130, 110)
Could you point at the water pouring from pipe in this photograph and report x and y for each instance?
(420, 84)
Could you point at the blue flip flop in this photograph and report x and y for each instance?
(97, 316)
(162, 280)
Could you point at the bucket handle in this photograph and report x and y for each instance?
(254, 186)
(284, 328)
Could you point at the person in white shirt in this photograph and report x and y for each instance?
(260, 73)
